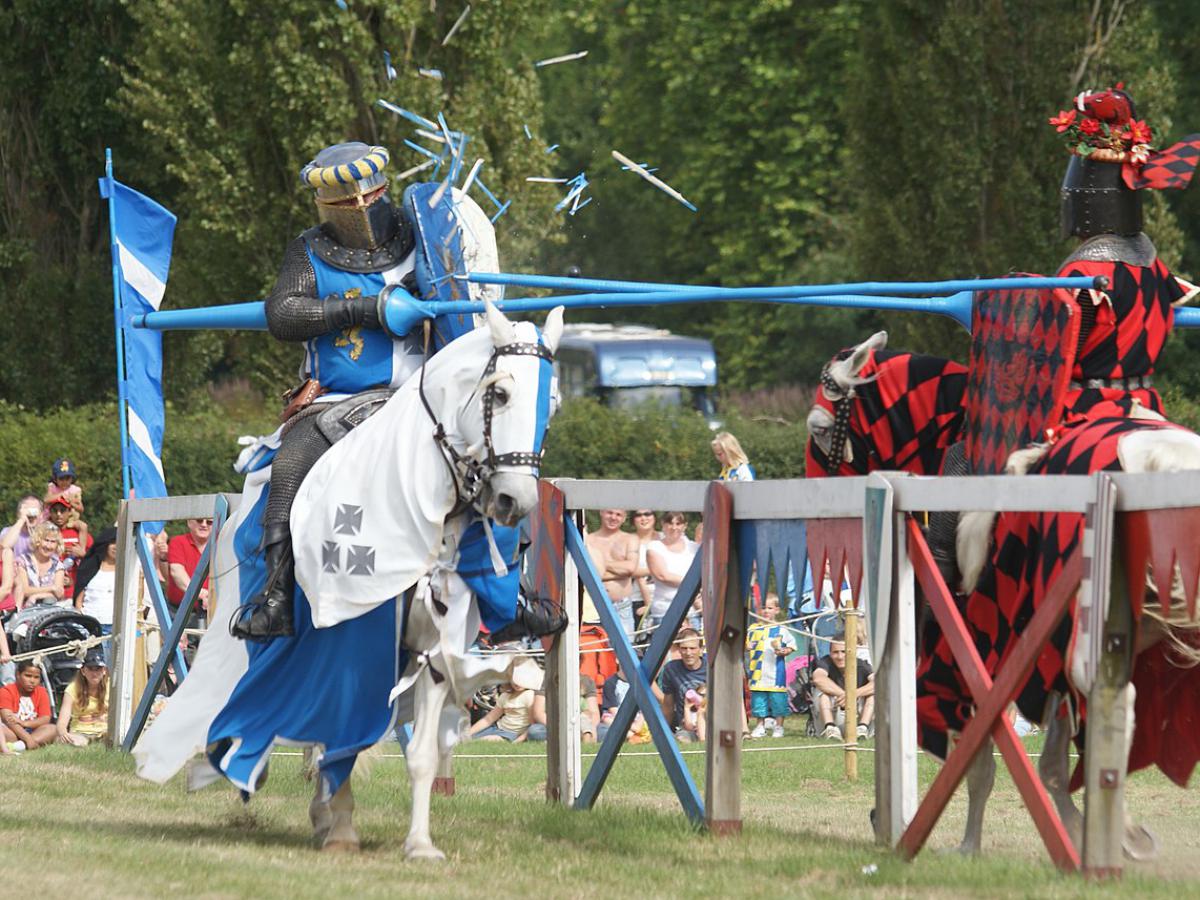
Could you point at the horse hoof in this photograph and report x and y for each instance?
(340, 847)
(1139, 843)
(423, 851)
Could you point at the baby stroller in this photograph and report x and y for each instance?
(46, 625)
(813, 645)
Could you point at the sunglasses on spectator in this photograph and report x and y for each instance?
(643, 512)
(203, 521)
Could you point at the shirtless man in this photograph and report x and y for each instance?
(615, 553)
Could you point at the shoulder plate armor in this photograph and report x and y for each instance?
(351, 259)
(1133, 250)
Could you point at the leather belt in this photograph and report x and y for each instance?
(1132, 383)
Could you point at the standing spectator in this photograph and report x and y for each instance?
(62, 485)
(7, 670)
(76, 541)
(729, 453)
(183, 555)
(83, 717)
(769, 645)
(669, 560)
(829, 678)
(646, 529)
(25, 711)
(615, 553)
(16, 536)
(681, 675)
(97, 582)
(41, 575)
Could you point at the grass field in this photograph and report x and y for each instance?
(82, 823)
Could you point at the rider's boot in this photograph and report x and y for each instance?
(269, 615)
(536, 617)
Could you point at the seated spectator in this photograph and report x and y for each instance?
(830, 681)
(695, 711)
(25, 711)
(96, 582)
(589, 713)
(41, 576)
(16, 537)
(76, 541)
(62, 486)
(611, 699)
(183, 555)
(769, 645)
(8, 672)
(512, 715)
(83, 717)
(681, 675)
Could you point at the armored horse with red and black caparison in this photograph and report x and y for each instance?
(1084, 381)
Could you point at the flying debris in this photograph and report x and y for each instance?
(342, 5)
(388, 68)
(552, 148)
(555, 60)
(458, 24)
(435, 74)
(629, 164)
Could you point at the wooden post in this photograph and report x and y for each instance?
(1108, 719)
(564, 761)
(726, 646)
(125, 618)
(850, 676)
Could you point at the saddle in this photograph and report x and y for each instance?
(335, 419)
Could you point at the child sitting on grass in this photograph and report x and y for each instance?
(25, 711)
(84, 714)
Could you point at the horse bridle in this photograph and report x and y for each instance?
(841, 417)
(470, 474)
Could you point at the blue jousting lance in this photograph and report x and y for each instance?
(616, 294)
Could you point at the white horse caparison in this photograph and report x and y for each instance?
(485, 391)
(443, 618)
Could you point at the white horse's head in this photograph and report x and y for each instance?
(505, 422)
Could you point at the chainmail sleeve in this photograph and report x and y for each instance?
(294, 311)
(943, 526)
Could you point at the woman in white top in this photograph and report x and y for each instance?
(96, 584)
(644, 527)
(668, 560)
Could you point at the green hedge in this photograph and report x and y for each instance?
(198, 452)
(590, 440)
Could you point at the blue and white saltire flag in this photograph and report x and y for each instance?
(141, 232)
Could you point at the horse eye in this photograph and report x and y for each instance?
(501, 396)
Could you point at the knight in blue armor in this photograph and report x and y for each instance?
(330, 297)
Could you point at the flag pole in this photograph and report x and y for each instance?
(106, 191)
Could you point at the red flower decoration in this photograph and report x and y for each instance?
(1090, 126)
(1064, 120)
(1137, 132)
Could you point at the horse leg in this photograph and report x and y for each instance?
(332, 820)
(422, 758)
(1055, 770)
(981, 776)
(1139, 842)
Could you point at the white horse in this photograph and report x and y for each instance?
(458, 441)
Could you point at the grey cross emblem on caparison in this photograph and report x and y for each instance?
(347, 519)
(331, 556)
(360, 560)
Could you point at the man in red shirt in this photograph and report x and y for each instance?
(74, 548)
(183, 555)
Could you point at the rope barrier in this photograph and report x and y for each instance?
(77, 649)
(542, 756)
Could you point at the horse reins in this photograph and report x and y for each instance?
(841, 417)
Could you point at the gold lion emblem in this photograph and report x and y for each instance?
(352, 338)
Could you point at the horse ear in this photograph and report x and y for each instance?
(858, 358)
(553, 329)
(503, 331)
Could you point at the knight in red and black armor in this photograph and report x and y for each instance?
(1123, 330)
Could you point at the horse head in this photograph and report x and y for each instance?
(504, 421)
(879, 409)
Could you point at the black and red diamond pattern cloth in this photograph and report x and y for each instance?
(902, 420)
(1022, 345)
(1028, 553)
(1171, 168)
(1125, 335)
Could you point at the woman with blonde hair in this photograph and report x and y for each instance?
(41, 574)
(729, 453)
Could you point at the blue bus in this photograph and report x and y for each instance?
(628, 366)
